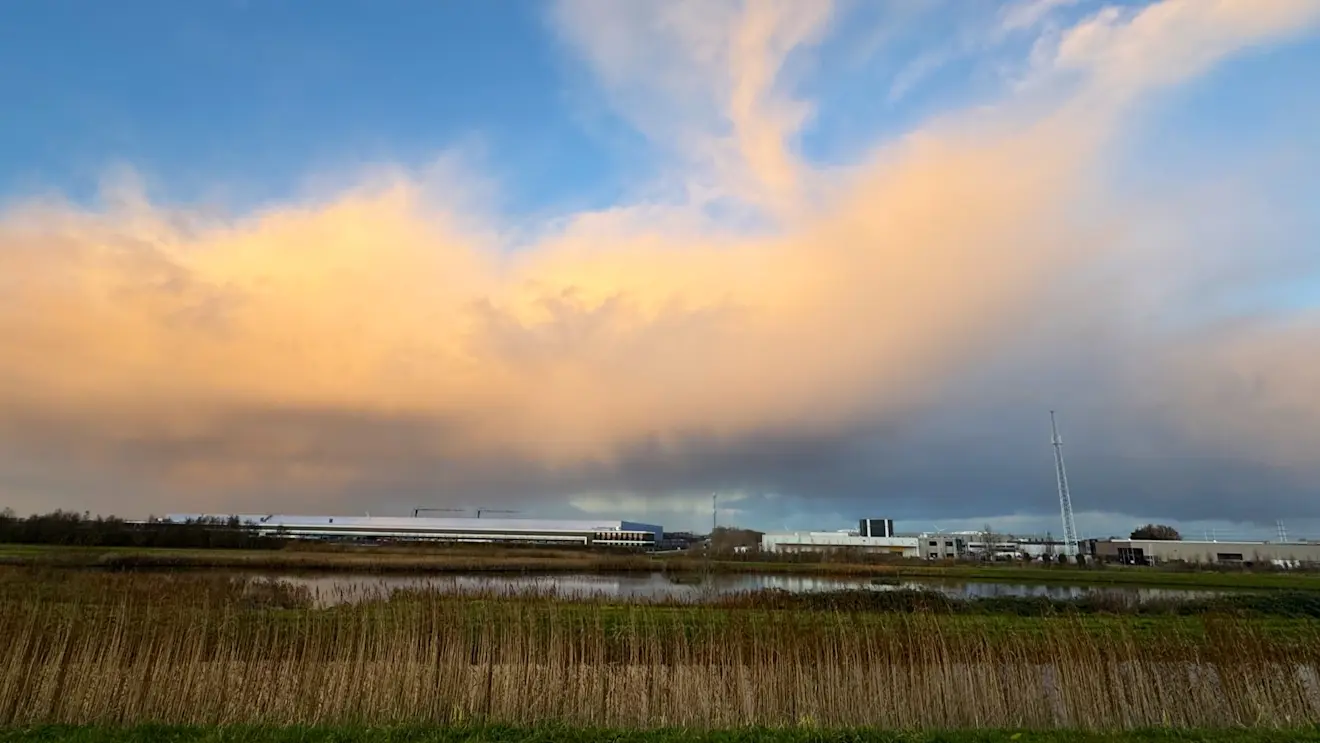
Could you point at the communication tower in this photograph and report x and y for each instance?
(1065, 499)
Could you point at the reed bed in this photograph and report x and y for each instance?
(125, 649)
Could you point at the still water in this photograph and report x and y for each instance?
(347, 587)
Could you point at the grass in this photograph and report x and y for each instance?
(554, 734)
(469, 559)
(197, 650)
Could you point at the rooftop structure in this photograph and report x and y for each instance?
(876, 528)
(420, 528)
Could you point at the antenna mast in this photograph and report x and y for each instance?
(1065, 499)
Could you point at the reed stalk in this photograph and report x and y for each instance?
(199, 653)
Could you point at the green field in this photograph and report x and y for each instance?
(241, 734)
(442, 560)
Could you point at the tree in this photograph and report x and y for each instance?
(1157, 531)
(988, 541)
(727, 538)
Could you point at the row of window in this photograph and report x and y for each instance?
(624, 536)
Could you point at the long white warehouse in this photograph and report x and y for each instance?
(826, 541)
(530, 531)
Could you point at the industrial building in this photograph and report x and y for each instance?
(420, 528)
(837, 541)
(1152, 551)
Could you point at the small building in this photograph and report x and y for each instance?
(973, 544)
(1038, 547)
(942, 546)
(1152, 551)
(420, 528)
(836, 541)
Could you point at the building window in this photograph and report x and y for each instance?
(1132, 555)
(1229, 557)
(935, 543)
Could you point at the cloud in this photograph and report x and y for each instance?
(703, 80)
(1027, 14)
(980, 34)
(610, 330)
(1166, 42)
(1251, 386)
(379, 344)
(697, 507)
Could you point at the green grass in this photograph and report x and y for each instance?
(556, 734)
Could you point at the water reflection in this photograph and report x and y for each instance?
(339, 588)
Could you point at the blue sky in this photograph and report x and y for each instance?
(260, 94)
(250, 99)
(605, 255)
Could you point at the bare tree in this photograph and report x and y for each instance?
(988, 540)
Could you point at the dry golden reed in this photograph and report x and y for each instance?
(230, 653)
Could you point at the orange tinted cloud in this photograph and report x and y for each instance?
(607, 330)
(147, 326)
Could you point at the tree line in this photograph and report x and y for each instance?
(74, 529)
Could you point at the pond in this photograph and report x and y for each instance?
(333, 588)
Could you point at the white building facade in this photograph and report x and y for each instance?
(831, 541)
(419, 528)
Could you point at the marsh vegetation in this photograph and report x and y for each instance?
(123, 648)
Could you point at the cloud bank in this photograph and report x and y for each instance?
(806, 333)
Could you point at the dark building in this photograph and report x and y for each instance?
(875, 528)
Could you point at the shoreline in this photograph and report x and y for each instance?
(466, 560)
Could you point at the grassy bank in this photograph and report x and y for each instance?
(450, 560)
(349, 734)
(209, 588)
(127, 649)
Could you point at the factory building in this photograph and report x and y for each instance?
(837, 541)
(483, 530)
(1153, 551)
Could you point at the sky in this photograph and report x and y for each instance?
(829, 260)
